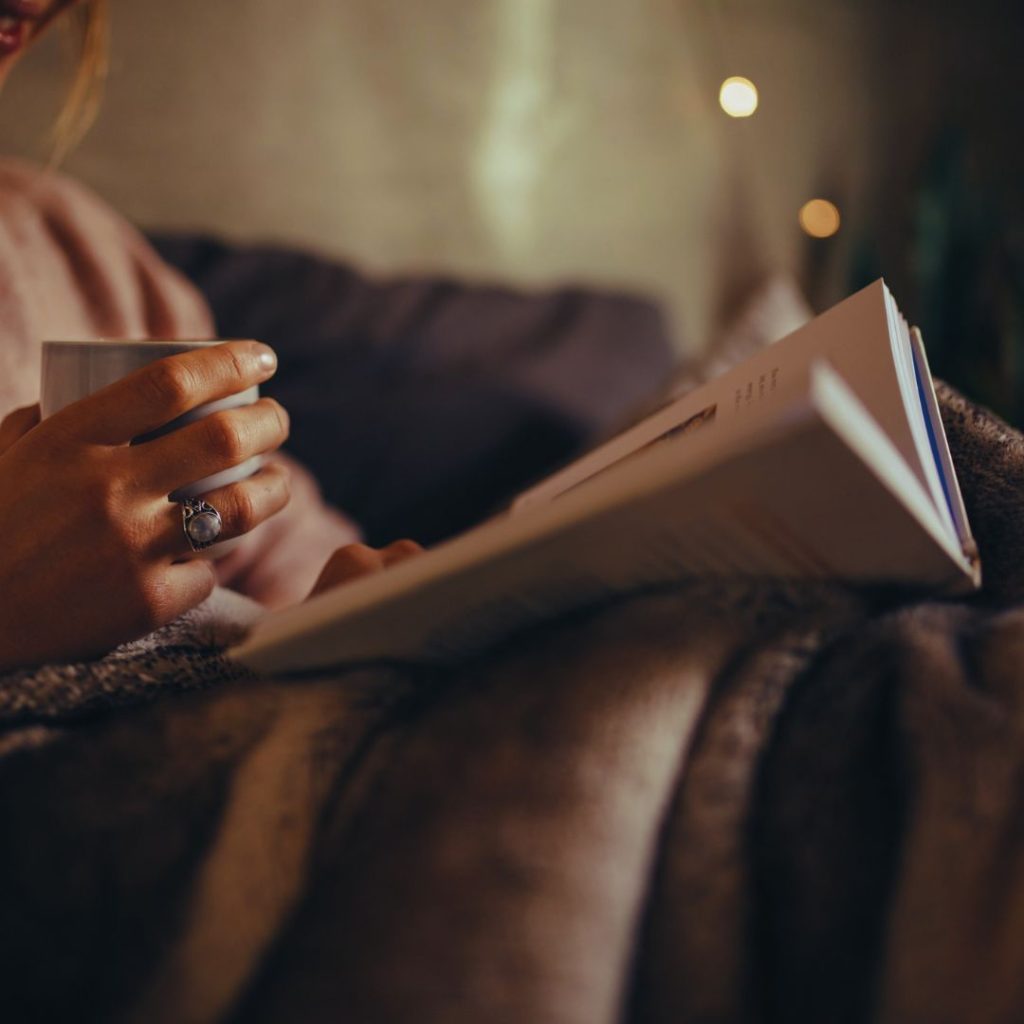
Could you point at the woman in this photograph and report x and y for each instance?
(86, 524)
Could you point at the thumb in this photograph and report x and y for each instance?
(17, 424)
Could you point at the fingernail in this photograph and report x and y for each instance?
(267, 358)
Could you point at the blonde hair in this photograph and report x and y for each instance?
(90, 22)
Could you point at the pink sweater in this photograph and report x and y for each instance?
(71, 268)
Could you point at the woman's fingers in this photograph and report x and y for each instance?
(17, 424)
(159, 393)
(399, 551)
(214, 443)
(349, 563)
(356, 560)
(181, 587)
(242, 507)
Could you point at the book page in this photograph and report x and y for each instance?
(912, 389)
(940, 446)
(816, 492)
(855, 337)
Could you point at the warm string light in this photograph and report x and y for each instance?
(738, 96)
(819, 218)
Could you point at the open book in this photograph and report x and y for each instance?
(821, 457)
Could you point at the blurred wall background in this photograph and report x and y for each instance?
(542, 140)
(531, 140)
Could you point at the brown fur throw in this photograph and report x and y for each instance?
(726, 801)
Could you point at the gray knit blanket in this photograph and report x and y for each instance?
(722, 801)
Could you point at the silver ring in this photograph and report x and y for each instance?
(201, 522)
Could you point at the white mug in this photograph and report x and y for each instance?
(74, 369)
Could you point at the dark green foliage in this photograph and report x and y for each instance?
(963, 259)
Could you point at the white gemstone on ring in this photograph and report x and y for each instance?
(201, 521)
(204, 528)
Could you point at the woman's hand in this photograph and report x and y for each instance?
(91, 551)
(356, 560)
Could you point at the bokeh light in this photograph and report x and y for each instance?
(738, 97)
(819, 218)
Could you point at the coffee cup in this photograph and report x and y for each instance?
(71, 370)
